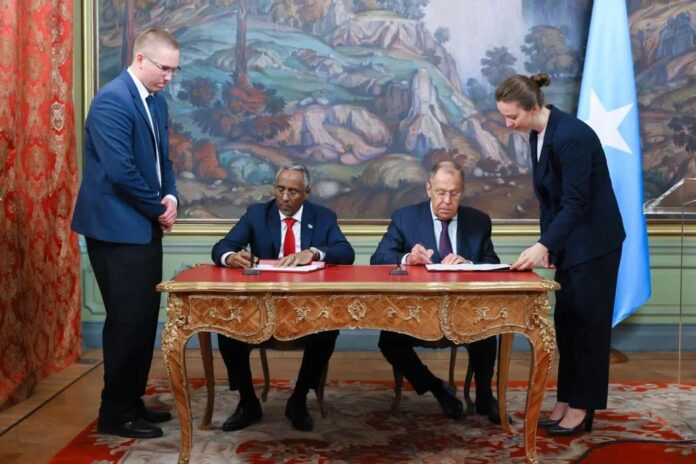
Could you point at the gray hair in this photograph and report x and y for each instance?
(295, 167)
(449, 166)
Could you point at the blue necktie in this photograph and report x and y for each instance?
(445, 247)
(153, 114)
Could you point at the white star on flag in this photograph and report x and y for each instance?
(606, 123)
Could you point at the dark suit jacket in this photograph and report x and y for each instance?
(414, 224)
(579, 215)
(260, 227)
(120, 196)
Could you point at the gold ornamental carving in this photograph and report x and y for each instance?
(357, 310)
(176, 320)
(414, 313)
(550, 285)
(541, 324)
(305, 314)
(233, 314)
(481, 314)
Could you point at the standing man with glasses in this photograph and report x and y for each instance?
(126, 201)
(295, 232)
(440, 231)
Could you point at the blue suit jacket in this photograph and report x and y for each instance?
(414, 224)
(260, 227)
(120, 196)
(579, 215)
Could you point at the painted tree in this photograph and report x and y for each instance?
(240, 50)
(497, 65)
(442, 35)
(311, 11)
(130, 9)
(285, 12)
(548, 51)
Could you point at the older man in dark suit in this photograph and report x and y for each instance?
(296, 232)
(440, 231)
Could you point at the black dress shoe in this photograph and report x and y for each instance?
(449, 402)
(585, 424)
(137, 428)
(247, 413)
(296, 411)
(548, 423)
(155, 417)
(489, 408)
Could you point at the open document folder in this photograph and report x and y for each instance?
(467, 267)
(270, 265)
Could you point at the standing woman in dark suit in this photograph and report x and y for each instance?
(581, 236)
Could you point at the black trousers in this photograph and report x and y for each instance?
(318, 350)
(127, 276)
(583, 316)
(398, 349)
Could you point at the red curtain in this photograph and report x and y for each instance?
(39, 256)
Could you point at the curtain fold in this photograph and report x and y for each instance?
(39, 255)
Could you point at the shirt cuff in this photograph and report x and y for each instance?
(322, 255)
(223, 259)
(176, 202)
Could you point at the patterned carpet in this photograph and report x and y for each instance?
(360, 428)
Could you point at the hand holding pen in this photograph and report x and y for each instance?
(242, 259)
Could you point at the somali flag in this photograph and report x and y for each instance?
(609, 105)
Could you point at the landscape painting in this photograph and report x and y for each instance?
(370, 93)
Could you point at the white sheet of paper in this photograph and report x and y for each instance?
(467, 267)
(270, 266)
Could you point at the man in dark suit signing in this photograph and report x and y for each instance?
(440, 231)
(296, 232)
(126, 200)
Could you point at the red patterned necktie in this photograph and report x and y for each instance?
(289, 244)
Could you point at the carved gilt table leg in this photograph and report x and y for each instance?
(174, 339)
(209, 372)
(504, 356)
(542, 338)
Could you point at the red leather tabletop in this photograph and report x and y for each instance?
(351, 274)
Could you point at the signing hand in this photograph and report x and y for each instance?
(455, 259)
(296, 259)
(531, 257)
(241, 259)
(419, 255)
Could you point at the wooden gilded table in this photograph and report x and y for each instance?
(461, 306)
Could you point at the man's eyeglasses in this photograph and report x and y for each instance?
(164, 69)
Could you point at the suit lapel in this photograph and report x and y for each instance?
(426, 230)
(463, 236)
(140, 105)
(273, 224)
(541, 166)
(533, 144)
(546, 147)
(307, 225)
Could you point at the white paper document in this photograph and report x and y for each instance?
(266, 266)
(467, 267)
